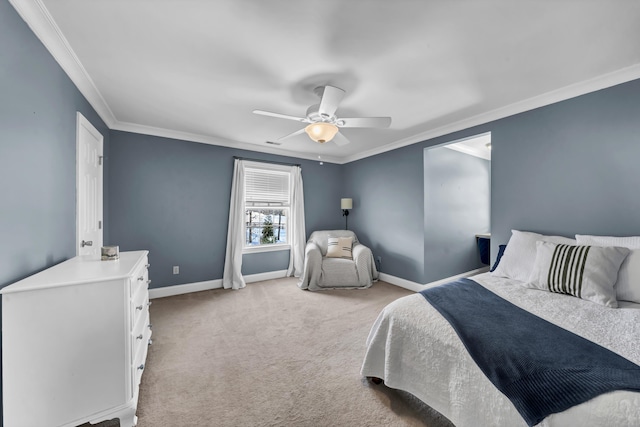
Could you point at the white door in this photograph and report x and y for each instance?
(88, 188)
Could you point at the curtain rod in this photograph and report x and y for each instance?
(267, 161)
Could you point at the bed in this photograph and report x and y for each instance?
(412, 347)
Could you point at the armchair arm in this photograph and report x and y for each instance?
(365, 265)
(312, 265)
(360, 252)
(312, 251)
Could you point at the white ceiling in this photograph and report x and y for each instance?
(195, 70)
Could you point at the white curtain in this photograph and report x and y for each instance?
(232, 276)
(297, 232)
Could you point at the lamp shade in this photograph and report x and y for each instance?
(346, 204)
(321, 132)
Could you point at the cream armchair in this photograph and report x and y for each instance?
(322, 272)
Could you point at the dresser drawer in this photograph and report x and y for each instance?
(140, 277)
(138, 335)
(141, 349)
(139, 305)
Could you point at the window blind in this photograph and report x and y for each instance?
(266, 187)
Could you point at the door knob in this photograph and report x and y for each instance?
(87, 243)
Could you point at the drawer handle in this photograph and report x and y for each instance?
(139, 307)
(141, 367)
(150, 341)
(139, 337)
(141, 278)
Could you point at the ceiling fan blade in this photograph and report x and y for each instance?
(298, 132)
(365, 122)
(331, 97)
(340, 139)
(281, 116)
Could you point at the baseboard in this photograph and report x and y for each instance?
(269, 275)
(168, 291)
(417, 287)
(403, 283)
(186, 288)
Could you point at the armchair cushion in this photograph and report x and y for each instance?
(339, 247)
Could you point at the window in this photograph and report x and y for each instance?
(267, 205)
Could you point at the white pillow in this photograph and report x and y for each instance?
(520, 254)
(631, 242)
(587, 272)
(628, 284)
(339, 247)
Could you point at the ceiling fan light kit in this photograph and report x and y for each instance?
(323, 124)
(321, 132)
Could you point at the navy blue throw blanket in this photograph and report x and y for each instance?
(540, 367)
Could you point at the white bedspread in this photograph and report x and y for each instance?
(413, 348)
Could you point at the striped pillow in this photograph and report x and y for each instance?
(339, 247)
(587, 272)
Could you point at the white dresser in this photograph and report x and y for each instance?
(74, 342)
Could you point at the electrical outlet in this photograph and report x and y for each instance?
(176, 269)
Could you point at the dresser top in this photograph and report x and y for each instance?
(80, 269)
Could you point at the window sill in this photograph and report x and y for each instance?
(265, 248)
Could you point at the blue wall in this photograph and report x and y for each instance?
(567, 168)
(570, 167)
(549, 192)
(457, 207)
(38, 105)
(172, 198)
(389, 208)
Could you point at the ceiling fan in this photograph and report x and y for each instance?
(323, 124)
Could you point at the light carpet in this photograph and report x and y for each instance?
(270, 355)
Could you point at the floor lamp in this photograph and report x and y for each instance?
(345, 205)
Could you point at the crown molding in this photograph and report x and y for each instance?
(574, 90)
(38, 18)
(186, 136)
